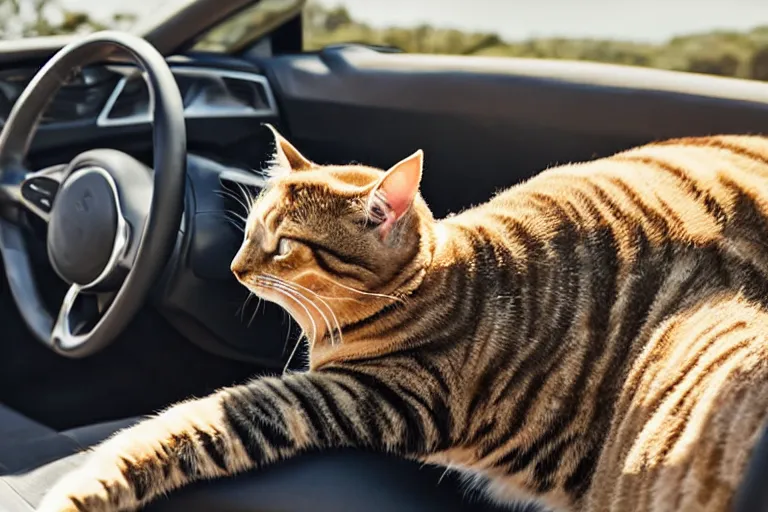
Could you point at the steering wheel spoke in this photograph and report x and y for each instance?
(38, 190)
(31, 191)
(78, 314)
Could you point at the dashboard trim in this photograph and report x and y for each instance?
(192, 111)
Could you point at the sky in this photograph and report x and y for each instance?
(637, 20)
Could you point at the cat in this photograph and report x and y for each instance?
(594, 338)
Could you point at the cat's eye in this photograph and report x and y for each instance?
(284, 247)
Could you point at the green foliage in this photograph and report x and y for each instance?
(28, 18)
(734, 54)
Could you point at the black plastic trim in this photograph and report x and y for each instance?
(498, 120)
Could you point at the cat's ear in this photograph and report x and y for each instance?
(394, 193)
(288, 157)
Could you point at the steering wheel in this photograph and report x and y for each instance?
(112, 221)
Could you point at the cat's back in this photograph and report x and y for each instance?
(691, 190)
(686, 163)
(695, 398)
(656, 262)
(691, 409)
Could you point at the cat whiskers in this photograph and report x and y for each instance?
(255, 310)
(233, 222)
(276, 281)
(244, 199)
(249, 198)
(241, 309)
(322, 300)
(296, 297)
(224, 193)
(360, 292)
(235, 219)
(287, 334)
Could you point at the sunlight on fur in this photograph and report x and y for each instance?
(594, 339)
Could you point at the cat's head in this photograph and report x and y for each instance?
(333, 237)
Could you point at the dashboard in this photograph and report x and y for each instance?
(118, 95)
(225, 102)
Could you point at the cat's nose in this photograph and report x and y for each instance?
(239, 266)
(238, 271)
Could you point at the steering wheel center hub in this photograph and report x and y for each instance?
(83, 226)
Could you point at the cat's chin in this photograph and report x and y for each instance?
(304, 314)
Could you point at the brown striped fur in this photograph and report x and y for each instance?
(595, 338)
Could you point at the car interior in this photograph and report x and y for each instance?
(125, 159)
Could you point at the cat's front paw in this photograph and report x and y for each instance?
(81, 491)
(70, 493)
(60, 506)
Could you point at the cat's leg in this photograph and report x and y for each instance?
(249, 426)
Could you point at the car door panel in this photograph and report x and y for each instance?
(486, 123)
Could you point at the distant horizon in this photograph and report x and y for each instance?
(641, 21)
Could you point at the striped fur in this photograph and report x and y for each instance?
(595, 338)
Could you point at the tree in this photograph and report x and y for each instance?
(758, 67)
(337, 18)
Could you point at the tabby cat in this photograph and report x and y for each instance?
(595, 338)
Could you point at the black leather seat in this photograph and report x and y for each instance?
(33, 457)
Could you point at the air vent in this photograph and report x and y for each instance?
(207, 93)
(12, 83)
(82, 96)
(249, 93)
(187, 85)
(132, 100)
(78, 102)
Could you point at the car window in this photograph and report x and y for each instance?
(717, 38)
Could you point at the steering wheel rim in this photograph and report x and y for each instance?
(158, 235)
